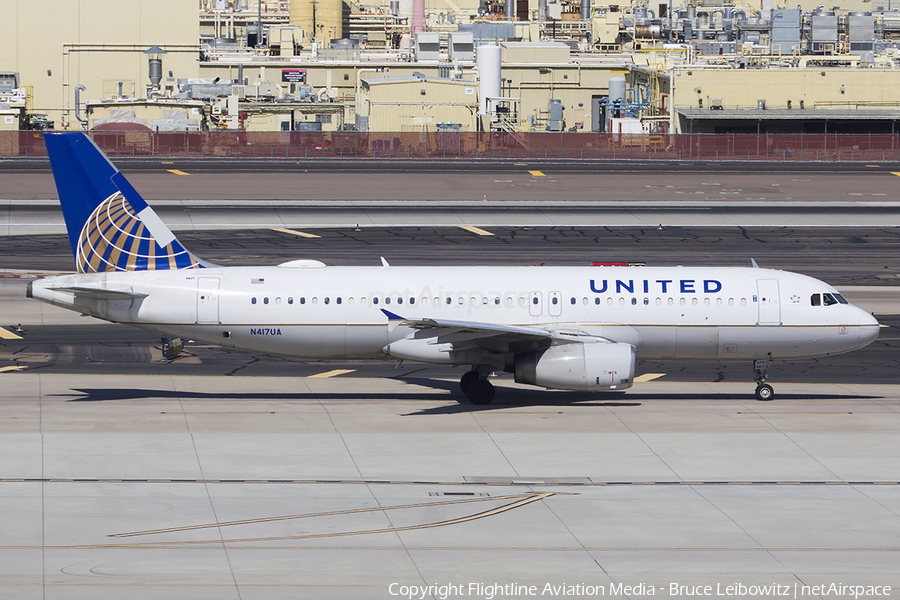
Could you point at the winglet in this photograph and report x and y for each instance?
(391, 316)
(753, 262)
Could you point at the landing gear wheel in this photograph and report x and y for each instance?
(764, 392)
(467, 380)
(480, 392)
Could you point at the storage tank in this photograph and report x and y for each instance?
(327, 15)
(617, 89)
(487, 58)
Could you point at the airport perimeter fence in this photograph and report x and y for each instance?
(470, 145)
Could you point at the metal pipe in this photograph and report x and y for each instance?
(78, 89)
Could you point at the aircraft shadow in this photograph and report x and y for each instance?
(504, 399)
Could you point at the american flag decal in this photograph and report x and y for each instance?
(256, 280)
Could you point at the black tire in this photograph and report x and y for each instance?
(480, 392)
(764, 392)
(466, 380)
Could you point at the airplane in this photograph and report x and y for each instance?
(566, 328)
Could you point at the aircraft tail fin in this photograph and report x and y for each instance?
(110, 226)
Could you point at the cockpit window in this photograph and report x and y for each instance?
(841, 299)
(829, 300)
(816, 300)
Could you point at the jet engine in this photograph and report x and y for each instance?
(582, 367)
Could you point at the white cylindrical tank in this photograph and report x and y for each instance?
(487, 57)
(617, 89)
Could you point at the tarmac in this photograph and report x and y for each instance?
(333, 485)
(213, 487)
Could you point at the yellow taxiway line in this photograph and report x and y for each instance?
(177, 172)
(292, 232)
(648, 377)
(8, 335)
(476, 230)
(537, 173)
(328, 374)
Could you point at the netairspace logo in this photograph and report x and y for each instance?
(491, 591)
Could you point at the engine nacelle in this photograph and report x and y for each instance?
(581, 367)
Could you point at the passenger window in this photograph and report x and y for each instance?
(315, 300)
(659, 301)
(718, 302)
(350, 300)
(509, 301)
(449, 300)
(266, 300)
(743, 302)
(496, 300)
(363, 300)
(682, 301)
(387, 299)
(694, 301)
(584, 301)
(572, 301)
(731, 302)
(597, 301)
(460, 300)
(412, 300)
(338, 300)
(399, 300)
(633, 301)
(671, 301)
(302, 300)
(290, 300)
(646, 301)
(622, 301)
(553, 300)
(534, 300)
(253, 300)
(815, 300)
(278, 300)
(828, 300)
(521, 300)
(327, 299)
(473, 300)
(609, 301)
(374, 299)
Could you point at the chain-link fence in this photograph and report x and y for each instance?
(525, 145)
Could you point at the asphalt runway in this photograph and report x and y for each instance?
(105, 349)
(437, 182)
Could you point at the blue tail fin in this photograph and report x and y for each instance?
(111, 228)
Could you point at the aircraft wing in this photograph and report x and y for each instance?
(460, 332)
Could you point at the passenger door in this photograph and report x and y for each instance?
(769, 307)
(208, 300)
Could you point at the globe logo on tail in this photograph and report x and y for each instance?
(114, 239)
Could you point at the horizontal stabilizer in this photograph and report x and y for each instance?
(99, 293)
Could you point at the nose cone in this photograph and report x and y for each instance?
(869, 328)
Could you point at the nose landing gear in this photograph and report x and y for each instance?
(764, 391)
(476, 387)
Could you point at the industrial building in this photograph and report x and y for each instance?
(441, 65)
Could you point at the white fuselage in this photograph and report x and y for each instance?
(336, 312)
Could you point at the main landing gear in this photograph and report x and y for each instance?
(476, 387)
(764, 391)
